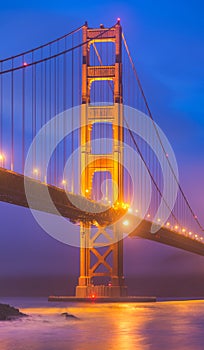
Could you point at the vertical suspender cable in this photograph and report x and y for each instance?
(1, 112)
(58, 109)
(12, 119)
(34, 109)
(41, 154)
(23, 115)
(45, 121)
(72, 94)
(55, 126)
(50, 111)
(64, 77)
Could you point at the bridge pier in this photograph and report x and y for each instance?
(99, 291)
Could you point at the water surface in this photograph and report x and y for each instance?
(175, 325)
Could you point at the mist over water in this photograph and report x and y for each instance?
(162, 325)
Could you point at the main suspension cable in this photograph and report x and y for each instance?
(157, 132)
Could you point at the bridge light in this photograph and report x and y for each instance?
(64, 182)
(183, 230)
(36, 172)
(25, 64)
(137, 211)
(87, 191)
(126, 223)
(129, 210)
(148, 215)
(168, 224)
(93, 296)
(196, 236)
(158, 219)
(190, 233)
(118, 19)
(125, 206)
(176, 227)
(2, 159)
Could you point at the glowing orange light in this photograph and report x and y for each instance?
(93, 296)
(2, 157)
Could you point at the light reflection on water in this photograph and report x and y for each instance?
(162, 325)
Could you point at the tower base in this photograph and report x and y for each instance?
(101, 291)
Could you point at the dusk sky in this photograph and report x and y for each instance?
(166, 40)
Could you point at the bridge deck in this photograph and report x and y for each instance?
(12, 191)
(168, 237)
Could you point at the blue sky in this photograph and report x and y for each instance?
(166, 41)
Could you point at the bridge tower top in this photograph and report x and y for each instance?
(111, 72)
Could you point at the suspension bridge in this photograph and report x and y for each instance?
(72, 126)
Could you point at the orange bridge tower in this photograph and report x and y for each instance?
(101, 264)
